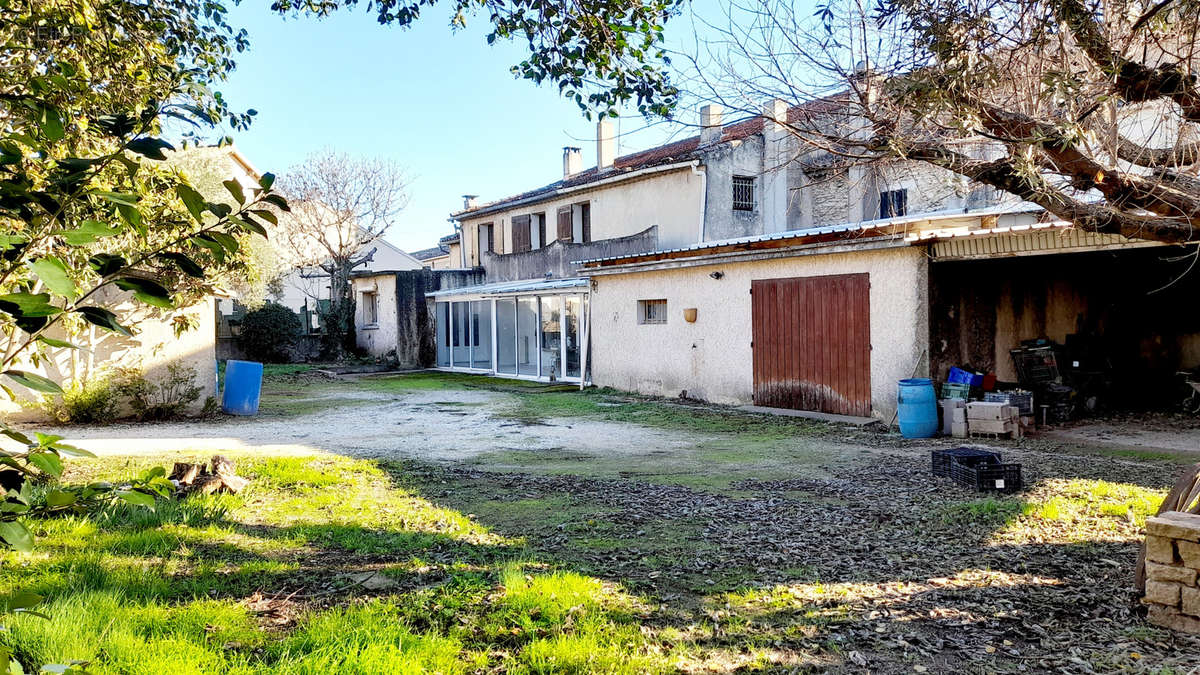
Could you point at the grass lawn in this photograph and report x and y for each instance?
(763, 545)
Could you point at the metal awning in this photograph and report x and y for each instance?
(523, 287)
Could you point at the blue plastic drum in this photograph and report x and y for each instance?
(243, 387)
(917, 408)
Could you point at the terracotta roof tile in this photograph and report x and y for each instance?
(670, 153)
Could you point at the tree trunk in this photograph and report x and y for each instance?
(339, 339)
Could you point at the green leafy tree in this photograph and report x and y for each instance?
(91, 218)
(603, 54)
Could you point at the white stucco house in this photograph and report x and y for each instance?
(739, 267)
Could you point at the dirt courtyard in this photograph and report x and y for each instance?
(765, 544)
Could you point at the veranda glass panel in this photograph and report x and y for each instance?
(527, 338)
(462, 335)
(506, 336)
(551, 337)
(481, 334)
(573, 335)
(443, 333)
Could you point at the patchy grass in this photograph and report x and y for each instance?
(433, 380)
(992, 511)
(182, 587)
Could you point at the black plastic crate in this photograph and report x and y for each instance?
(943, 459)
(1022, 401)
(988, 476)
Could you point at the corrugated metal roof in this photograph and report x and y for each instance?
(1022, 240)
(883, 223)
(513, 287)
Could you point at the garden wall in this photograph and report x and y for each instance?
(1172, 567)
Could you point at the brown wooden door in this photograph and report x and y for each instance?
(812, 343)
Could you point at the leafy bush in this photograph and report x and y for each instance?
(269, 333)
(93, 401)
(162, 398)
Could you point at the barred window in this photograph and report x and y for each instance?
(652, 311)
(893, 203)
(743, 193)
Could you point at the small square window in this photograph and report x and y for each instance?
(743, 193)
(893, 203)
(652, 311)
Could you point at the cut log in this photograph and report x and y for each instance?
(222, 466)
(234, 483)
(185, 472)
(207, 485)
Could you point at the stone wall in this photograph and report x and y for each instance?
(1172, 565)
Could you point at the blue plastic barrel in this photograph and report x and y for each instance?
(918, 408)
(243, 387)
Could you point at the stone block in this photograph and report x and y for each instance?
(1175, 525)
(1162, 593)
(1189, 551)
(1176, 574)
(1160, 549)
(1170, 618)
(1189, 601)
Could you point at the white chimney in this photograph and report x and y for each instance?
(572, 161)
(710, 123)
(469, 202)
(606, 144)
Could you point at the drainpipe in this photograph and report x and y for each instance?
(462, 245)
(703, 195)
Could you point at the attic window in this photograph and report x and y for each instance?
(743, 193)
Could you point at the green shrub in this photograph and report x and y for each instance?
(161, 398)
(269, 333)
(92, 401)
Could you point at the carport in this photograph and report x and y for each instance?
(1123, 310)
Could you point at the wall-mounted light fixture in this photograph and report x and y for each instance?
(717, 274)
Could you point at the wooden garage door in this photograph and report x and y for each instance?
(812, 343)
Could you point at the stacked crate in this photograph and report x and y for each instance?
(987, 418)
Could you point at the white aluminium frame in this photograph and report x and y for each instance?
(469, 335)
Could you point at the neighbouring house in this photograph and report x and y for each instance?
(445, 256)
(305, 289)
(301, 286)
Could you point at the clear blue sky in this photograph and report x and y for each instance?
(444, 105)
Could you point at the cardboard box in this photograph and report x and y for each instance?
(990, 426)
(988, 410)
(958, 429)
(959, 415)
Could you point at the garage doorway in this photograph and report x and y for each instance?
(812, 343)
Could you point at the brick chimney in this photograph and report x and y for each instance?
(606, 144)
(572, 161)
(710, 123)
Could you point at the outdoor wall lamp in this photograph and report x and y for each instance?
(717, 275)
